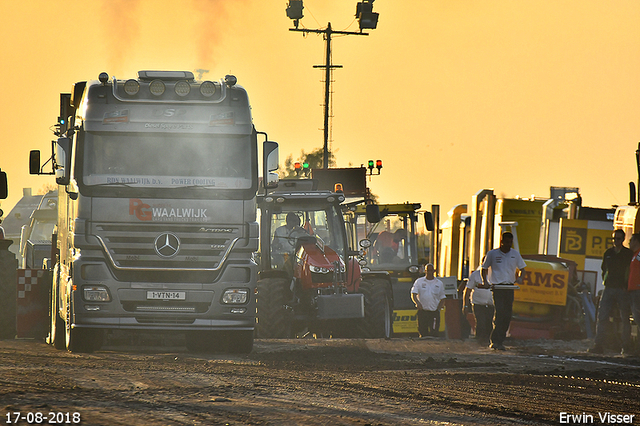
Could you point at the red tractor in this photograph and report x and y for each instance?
(310, 281)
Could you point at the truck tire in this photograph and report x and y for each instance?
(8, 293)
(82, 340)
(274, 320)
(378, 310)
(56, 324)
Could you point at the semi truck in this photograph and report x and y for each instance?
(35, 236)
(157, 181)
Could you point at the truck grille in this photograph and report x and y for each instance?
(133, 248)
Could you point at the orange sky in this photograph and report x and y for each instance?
(453, 95)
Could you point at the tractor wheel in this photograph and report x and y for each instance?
(8, 294)
(274, 320)
(378, 310)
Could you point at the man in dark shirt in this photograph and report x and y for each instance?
(615, 275)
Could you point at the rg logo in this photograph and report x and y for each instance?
(141, 210)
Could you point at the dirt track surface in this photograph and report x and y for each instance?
(319, 382)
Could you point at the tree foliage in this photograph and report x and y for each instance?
(315, 158)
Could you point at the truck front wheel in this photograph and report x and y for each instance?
(81, 339)
(57, 325)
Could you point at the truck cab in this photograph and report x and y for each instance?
(157, 180)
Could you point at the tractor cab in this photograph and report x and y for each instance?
(392, 243)
(310, 280)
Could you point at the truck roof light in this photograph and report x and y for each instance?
(156, 87)
(207, 89)
(131, 87)
(103, 77)
(230, 80)
(165, 75)
(182, 88)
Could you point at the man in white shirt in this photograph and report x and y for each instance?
(428, 295)
(507, 267)
(482, 302)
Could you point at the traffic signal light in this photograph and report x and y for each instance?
(305, 168)
(297, 167)
(370, 166)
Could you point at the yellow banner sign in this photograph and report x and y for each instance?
(546, 286)
(577, 239)
(406, 321)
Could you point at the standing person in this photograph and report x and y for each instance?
(428, 295)
(507, 267)
(615, 277)
(634, 279)
(481, 300)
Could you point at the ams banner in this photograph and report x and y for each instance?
(547, 286)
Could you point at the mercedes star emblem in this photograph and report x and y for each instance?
(167, 245)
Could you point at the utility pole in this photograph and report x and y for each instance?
(367, 19)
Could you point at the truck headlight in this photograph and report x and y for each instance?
(96, 293)
(319, 270)
(235, 296)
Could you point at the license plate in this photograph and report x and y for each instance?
(166, 295)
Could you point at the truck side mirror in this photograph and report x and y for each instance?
(63, 161)
(428, 221)
(4, 188)
(34, 162)
(373, 213)
(270, 160)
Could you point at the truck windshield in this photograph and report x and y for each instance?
(167, 160)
